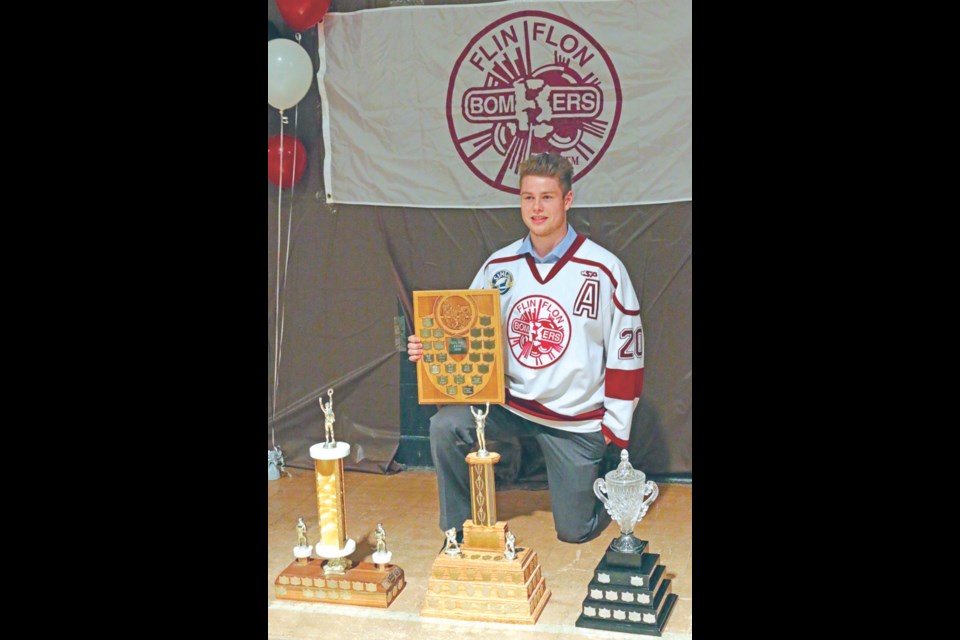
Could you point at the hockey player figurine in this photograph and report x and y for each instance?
(510, 552)
(328, 419)
(301, 533)
(452, 548)
(481, 439)
(381, 539)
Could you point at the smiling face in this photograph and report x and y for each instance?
(544, 209)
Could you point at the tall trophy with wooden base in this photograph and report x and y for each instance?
(487, 577)
(332, 578)
(628, 591)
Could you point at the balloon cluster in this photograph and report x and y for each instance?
(289, 76)
(289, 68)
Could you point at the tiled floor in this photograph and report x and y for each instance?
(406, 504)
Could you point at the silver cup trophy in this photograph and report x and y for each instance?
(625, 489)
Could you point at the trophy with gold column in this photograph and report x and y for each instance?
(487, 577)
(333, 578)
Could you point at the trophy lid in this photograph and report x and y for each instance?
(625, 472)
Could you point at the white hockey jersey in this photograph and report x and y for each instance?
(573, 338)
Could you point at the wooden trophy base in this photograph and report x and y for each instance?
(482, 584)
(628, 593)
(366, 584)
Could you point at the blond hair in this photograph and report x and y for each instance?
(549, 165)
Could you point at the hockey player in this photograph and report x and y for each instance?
(574, 367)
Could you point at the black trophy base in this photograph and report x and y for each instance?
(647, 629)
(642, 576)
(619, 559)
(613, 590)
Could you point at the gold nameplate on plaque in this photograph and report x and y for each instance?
(462, 346)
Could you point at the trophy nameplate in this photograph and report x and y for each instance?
(462, 341)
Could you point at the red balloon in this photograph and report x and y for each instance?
(303, 14)
(291, 147)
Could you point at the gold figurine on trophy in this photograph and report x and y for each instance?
(328, 418)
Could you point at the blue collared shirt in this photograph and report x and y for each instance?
(554, 256)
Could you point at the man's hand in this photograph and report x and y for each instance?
(414, 348)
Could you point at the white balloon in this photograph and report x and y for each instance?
(289, 73)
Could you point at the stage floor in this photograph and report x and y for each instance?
(406, 504)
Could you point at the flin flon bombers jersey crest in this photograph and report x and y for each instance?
(572, 335)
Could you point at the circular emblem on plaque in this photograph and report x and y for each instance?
(456, 314)
(529, 83)
(538, 330)
(502, 281)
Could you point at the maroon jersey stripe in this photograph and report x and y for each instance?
(603, 268)
(622, 384)
(600, 266)
(623, 309)
(507, 259)
(617, 441)
(534, 408)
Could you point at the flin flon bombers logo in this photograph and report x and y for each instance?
(539, 331)
(531, 82)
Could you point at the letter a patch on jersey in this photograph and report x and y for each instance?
(588, 300)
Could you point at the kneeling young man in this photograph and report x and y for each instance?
(574, 367)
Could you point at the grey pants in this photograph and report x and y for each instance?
(572, 460)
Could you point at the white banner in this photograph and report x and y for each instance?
(436, 106)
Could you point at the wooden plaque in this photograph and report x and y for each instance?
(462, 346)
